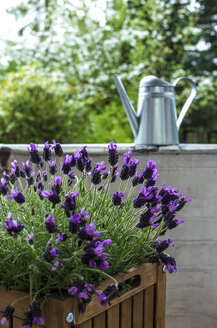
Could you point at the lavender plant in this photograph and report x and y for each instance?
(63, 231)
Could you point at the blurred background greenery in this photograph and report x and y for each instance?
(58, 79)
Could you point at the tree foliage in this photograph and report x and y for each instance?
(130, 38)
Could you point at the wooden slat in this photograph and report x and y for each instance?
(148, 277)
(100, 321)
(113, 317)
(17, 323)
(87, 324)
(149, 307)
(160, 299)
(7, 297)
(54, 313)
(138, 310)
(126, 313)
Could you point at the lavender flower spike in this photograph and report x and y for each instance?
(36, 313)
(113, 153)
(67, 164)
(13, 227)
(30, 238)
(47, 151)
(3, 187)
(116, 199)
(52, 196)
(57, 149)
(52, 167)
(18, 196)
(7, 315)
(51, 253)
(33, 149)
(50, 224)
(27, 168)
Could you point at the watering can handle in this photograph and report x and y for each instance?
(188, 101)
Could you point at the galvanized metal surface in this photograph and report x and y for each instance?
(155, 122)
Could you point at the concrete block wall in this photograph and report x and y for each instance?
(192, 292)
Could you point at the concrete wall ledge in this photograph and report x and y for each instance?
(123, 147)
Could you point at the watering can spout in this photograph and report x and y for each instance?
(131, 114)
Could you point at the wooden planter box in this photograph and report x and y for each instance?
(141, 307)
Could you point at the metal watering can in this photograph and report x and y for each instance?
(155, 122)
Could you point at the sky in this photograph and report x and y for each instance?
(8, 24)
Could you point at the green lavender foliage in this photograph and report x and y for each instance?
(22, 265)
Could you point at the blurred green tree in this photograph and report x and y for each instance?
(130, 38)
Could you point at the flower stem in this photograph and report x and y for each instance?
(104, 273)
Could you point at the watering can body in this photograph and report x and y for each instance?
(155, 122)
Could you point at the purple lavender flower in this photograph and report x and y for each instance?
(117, 196)
(84, 152)
(16, 168)
(30, 238)
(17, 196)
(84, 216)
(3, 187)
(51, 253)
(94, 256)
(182, 202)
(80, 162)
(12, 177)
(96, 173)
(47, 151)
(67, 164)
(39, 187)
(83, 290)
(114, 173)
(7, 315)
(152, 181)
(52, 167)
(138, 179)
(30, 179)
(57, 265)
(150, 170)
(44, 175)
(50, 224)
(108, 295)
(36, 314)
(13, 227)
(133, 167)
(169, 261)
(88, 233)
(146, 195)
(74, 223)
(27, 168)
(56, 187)
(147, 218)
(27, 322)
(125, 171)
(174, 223)
(61, 237)
(71, 178)
(88, 164)
(113, 153)
(51, 196)
(69, 204)
(162, 245)
(168, 194)
(33, 149)
(57, 149)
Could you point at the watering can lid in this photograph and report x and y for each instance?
(150, 80)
